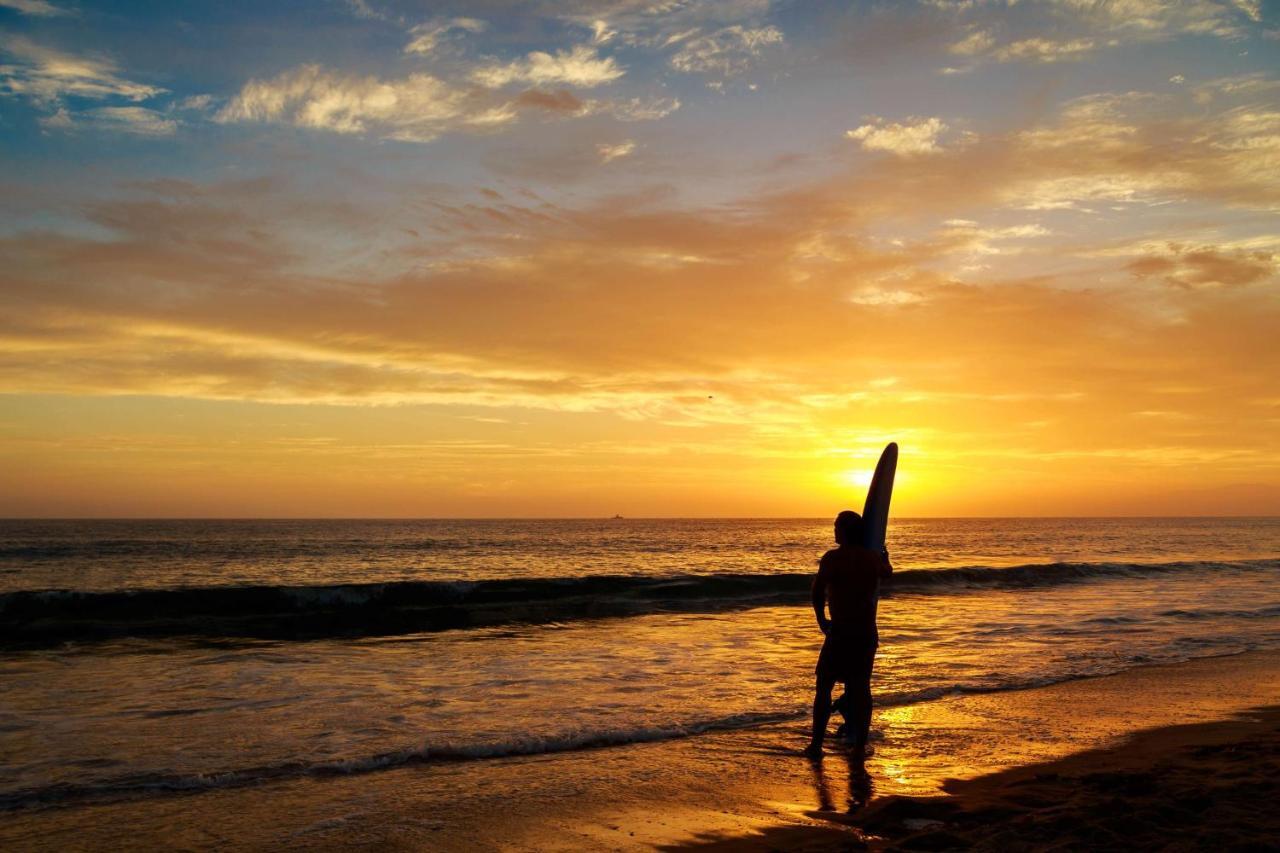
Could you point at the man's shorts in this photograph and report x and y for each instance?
(848, 654)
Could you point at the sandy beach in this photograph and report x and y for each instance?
(1202, 786)
(1162, 756)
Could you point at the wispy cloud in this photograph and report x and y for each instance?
(580, 66)
(1162, 18)
(425, 37)
(726, 51)
(421, 107)
(601, 33)
(610, 151)
(1045, 50)
(36, 8)
(137, 121)
(47, 75)
(364, 9)
(1082, 28)
(1206, 267)
(967, 236)
(974, 44)
(636, 109)
(416, 108)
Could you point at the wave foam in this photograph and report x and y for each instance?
(144, 785)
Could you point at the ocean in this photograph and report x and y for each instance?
(139, 658)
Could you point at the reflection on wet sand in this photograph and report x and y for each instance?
(859, 788)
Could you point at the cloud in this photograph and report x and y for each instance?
(613, 151)
(420, 107)
(974, 44)
(47, 76)
(198, 103)
(416, 108)
(1075, 29)
(594, 310)
(636, 109)
(966, 236)
(1251, 8)
(727, 51)
(362, 9)
(1161, 19)
(579, 66)
(645, 23)
(1044, 50)
(622, 315)
(427, 36)
(1255, 85)
(1206, 267)
(36, 8)
(600, 32)
(916, 136)
(137, 121)
(879, 296)
(1102, 121)
(560, 101)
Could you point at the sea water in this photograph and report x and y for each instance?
(140, 657)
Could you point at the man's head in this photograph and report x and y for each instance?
(848, 527)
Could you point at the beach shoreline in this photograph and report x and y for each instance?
(1200, 786)
(742, 788)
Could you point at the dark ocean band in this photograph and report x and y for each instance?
(42, 617)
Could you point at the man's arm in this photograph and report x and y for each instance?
(819, 594)
(886, 568)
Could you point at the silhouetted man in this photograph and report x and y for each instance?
(848, 582)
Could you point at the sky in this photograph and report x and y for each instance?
(372, 258)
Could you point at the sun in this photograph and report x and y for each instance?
(859, 477)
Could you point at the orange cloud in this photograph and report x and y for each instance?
(759, 344)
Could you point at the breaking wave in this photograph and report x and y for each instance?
(308, 612)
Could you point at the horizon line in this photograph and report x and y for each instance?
(610, 517)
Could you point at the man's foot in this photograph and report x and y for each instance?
(813, 750)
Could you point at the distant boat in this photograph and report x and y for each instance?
(617, 516)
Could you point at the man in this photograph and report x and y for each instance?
(848, 582)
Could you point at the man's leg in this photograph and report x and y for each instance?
(859, 699)
(843, 704)
(821, 712)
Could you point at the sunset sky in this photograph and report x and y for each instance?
(375, 258)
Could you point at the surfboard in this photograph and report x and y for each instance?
(875, 512)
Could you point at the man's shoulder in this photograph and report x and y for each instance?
(850, 555)
(840, 556)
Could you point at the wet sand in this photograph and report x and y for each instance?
(1204, 786)
(1207, 786)
(1175, 785)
